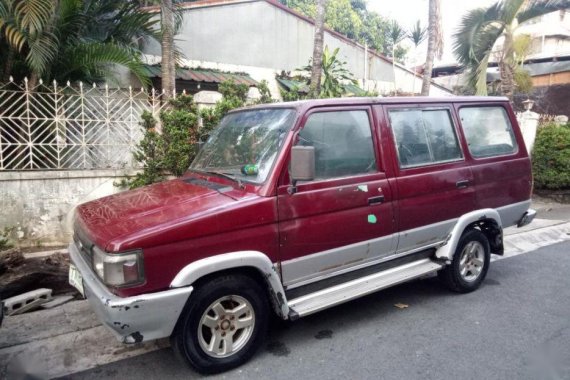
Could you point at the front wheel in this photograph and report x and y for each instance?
(223, 324)
(470, 263)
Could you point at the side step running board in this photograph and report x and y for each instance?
(311, 303)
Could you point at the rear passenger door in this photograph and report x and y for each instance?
(344, 218)
(500, 164)
(433, 179)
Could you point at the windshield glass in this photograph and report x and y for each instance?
(245, 144)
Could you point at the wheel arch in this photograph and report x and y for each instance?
(487, 220)
(249, 262)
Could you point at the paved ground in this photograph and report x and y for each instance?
(515, 327)
(548, 209)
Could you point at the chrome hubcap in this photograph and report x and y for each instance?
(226, 326)
(471, 261)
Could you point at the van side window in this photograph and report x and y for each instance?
(424, 137)
(343, 143)
(488, 131)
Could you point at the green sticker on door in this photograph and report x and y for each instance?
(372, 219)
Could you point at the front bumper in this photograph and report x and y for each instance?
(132, 319)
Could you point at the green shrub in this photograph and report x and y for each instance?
(171, 151)
(551, 157)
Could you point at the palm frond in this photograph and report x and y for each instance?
(42, 51)
(417, 34)
(478, 32)
(94, 62)
(396, 32)
(469, 45)
(14, 36)
(33, 14)
(536, 8)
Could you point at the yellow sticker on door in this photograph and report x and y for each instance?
(372, 219)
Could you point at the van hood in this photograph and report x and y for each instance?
(113, 222)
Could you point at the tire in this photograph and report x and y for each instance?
(470, 263)
(223, 324)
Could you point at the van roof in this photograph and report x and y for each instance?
(304, 104)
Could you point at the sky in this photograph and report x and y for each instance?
(407, 12)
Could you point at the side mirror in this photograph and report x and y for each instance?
(302, 164)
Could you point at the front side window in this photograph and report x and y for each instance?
(245, 144)
(424, 137)
(488, 131)
(342, 141)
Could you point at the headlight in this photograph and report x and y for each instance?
(119, 269)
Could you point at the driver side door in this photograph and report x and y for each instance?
(343, 219)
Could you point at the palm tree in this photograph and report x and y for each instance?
(435, 43)
(80, 40)
(167, 64)
(481, 28)
(316, 71)
(23, 31)
(395, 34)
(417, 35)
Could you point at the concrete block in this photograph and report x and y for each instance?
(25, 302)
(57, 301)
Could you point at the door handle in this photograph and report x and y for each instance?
(462, 184)
(376, 200)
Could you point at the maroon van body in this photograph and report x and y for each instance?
(433, 179)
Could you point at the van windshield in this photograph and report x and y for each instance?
(245, 145)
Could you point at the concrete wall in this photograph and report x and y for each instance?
(262, 39)
(38, 205)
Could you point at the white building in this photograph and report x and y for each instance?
(263, 38)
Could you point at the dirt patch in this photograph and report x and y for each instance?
(19, 275)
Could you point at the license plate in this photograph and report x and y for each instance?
(75, 279)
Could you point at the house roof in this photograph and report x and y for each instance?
(203, 75)
(277, 4)
(290, 84)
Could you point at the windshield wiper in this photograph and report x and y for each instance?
(225, 175)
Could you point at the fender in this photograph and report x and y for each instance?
(446, 251)
(192, 272)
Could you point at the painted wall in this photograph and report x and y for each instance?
(262, 40)
(38, 205)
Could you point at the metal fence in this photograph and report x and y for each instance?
(71, 127)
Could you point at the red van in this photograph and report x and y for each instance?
(296, 207)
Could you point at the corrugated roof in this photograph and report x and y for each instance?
(290, 84)
(203, 75)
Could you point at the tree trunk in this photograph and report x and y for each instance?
(167, 64)
(506, 67)
(434, 43)
(9, 64)
(316, 71)
(33, 81)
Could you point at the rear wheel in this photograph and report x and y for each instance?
(470, 263)
(223, 324)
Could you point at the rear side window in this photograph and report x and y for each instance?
(342, 141)
(424, 137)
(488, 131)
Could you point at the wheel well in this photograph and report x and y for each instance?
(492, 231)
(254, 274)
